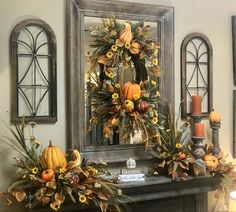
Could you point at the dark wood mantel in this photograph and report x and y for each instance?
(160, 194)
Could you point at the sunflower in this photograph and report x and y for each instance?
(82, 198)
(115, 96)
(34, 170)
(178, 145)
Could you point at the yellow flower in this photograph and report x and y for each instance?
(155, 52)
(114, 48)
(155, 61)
(55, 205)
(82, 198)
(119, 192)
(178, 145)
(35, 170)
(158, 93)
(127, 45)
(153, 82)
(136, 97)
(109, 54)
(115, 96)
(154, 120)
(62, 170)
(94, 171)
(117, 85)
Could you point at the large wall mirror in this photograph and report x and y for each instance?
(84, 18)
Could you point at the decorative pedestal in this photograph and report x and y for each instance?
(215, 138)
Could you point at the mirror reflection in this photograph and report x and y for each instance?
(122, 80)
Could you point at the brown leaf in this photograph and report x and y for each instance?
(88, 192)
(45, 200)
(20, 196)
(81, 187)
(103, 205)
(102, 196)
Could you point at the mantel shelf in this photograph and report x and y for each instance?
(162, 193)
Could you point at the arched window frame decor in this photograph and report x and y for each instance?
(209, 79)
(49, 84)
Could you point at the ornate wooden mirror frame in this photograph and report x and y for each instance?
(77, 10)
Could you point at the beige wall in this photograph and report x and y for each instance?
(210, 17)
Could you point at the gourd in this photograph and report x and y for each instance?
(48, 175)
(53, 157)
(126, 34)
(214, 117)
(128, 106)
(131, 91)
(211, 161)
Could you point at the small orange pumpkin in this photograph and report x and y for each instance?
(53, 157)
(48, 175)
(128, 106)
(131, 91)
(211, 161)
(181, 155)
(214, 117)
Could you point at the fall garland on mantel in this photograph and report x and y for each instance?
(48, 177)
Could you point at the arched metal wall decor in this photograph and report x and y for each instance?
(196, 72)
(33, 72)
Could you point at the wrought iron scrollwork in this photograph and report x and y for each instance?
(33, 60)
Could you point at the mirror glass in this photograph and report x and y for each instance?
(106, 118)
(120, 60)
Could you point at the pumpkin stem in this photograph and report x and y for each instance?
(50, 143)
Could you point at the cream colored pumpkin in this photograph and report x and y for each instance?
(214, 117)
(53, 157)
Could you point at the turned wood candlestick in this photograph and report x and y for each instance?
(215, 138)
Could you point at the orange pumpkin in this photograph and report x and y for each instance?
(131, 91)
(53, 157)
(181, 155)
(48, 175)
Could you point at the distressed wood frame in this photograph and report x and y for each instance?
(76, 10)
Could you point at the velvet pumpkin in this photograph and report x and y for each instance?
(128, 106)
(211, 161)
(53, 157)
(131, 91)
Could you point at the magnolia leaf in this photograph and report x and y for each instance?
(59, 197)
(51, 184)
(69, 192)
(103, 205)
(88, 192)
(162, 163)
(17, 184)
(102, 196)
(45, 200)
(81, 187)
(89, 180)
(20, 196)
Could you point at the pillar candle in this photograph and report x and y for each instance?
(196, 104)
(199, 130)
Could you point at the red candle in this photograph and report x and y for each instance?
(199, 130)
(196, 104)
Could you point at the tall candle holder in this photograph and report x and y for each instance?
(198, 151)
(215, 138)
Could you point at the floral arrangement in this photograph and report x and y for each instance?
(49, 178)
(122, 96)
(174, 151)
